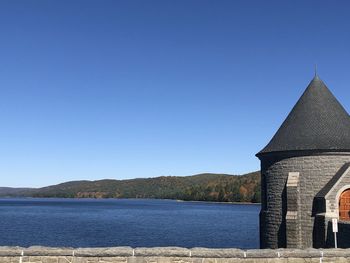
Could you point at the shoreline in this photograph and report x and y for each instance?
(166, 199)
(216, 202)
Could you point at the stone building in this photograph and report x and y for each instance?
(305, 174)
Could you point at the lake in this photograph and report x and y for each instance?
(127, 222)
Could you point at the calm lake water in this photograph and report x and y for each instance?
(127, 222)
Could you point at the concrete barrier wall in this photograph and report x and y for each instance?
(169, 255)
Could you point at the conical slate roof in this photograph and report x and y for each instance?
(317, 122)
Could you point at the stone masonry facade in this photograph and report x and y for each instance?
(315, 171)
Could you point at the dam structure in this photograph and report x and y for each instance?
(169, 255)
(305, 178)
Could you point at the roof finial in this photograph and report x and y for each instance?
(316, 70)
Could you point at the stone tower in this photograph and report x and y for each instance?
(305, 174)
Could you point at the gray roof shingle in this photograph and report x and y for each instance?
(317, 122)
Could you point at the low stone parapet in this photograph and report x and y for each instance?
(169, 255)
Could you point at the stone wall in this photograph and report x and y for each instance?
(315, 170)
(332, 197)
(169, 255)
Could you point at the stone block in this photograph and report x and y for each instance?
(277, 260)
(230, 260)
(303, 260)
(9, 259)
(136, 260)
(47, 251)
(10, 251)
(49, 259)
(217, 253)
(104, 252)
(63, 259)
(79, 260)
(175, 260)
(335, 260)
(34, 259)
(147, 259)
(254, 260)
(293, 179)
(336, 252)
(292, 215)
(209, 260)
(162, 251)
(113, 259)
(300, 253)
(261, 253)
(196, 260)
(92, 260)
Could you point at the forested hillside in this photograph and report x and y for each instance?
(201, 187)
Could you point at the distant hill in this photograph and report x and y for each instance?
(13, 192)
(201, 187)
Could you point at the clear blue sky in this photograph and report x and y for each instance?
(125, 89)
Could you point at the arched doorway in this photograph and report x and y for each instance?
(344, 205)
